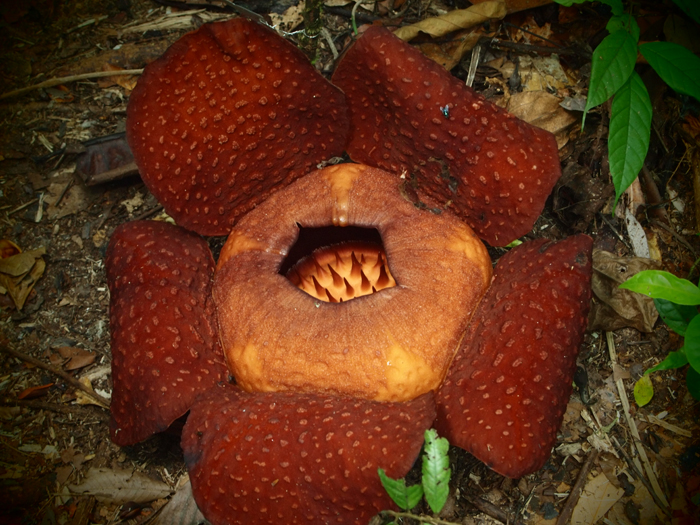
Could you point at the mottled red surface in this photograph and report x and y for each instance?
(165, 349)
(505, 394)
(228, 115)
(274, 458)
(409, 115)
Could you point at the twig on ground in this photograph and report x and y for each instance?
(656, 492)
(637, 474)
(493, 511)
(101, 401)
(41, 405)
(673, 232)
(540, 50)
(577, 489)
(121, 172)
(72, 78)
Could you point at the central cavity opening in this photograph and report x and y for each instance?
(336, 264)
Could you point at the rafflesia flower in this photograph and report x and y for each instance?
(352, 307)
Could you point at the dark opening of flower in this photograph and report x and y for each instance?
(338, 264)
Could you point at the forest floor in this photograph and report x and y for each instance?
(54, 437)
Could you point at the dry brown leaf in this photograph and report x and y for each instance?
(454, 20)
(181, 509)
(290, 19)
(128, 82)
(596, 499)
(543, 74)
(77, 357)
(76, 199)
(449, 54)
(616, 308)
(542, 109)
(120, 486)
(8, 249)
(19, 274)
(17, 265)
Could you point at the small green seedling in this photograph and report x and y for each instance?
(435, 480)
(676, 300)
(613, 75)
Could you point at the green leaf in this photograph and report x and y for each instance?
(436, 470)
(405, 497)
(692, 380)
(615, 5)
(569, 3)
(673, 360)
(643, 390)
(691, 8)
(692, 343)
(676, 316)
(663, 285)
(624, 22)
(612, 64)
(676, 65)
(630, 129)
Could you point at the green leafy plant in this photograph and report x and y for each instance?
(613, 75)
(676, 300)
(434, 485)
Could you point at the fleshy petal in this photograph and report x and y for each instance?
(290, 458)
(165, 347)
(505, 394)
(228, 115)
(410, 115)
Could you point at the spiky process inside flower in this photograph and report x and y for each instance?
(342, 272)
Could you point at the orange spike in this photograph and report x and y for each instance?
(356, 268)
(349, 290)
(365, 286)
(337, 279)
(383, 280)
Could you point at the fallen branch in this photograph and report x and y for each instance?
(101, 401)
(121, 172)
(73, 78)
(40, 405)
(577, 489)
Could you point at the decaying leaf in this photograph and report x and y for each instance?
(543, 110)
(76, 198)
(83, 398)
(454, 20)
(20, 272)
(128, 82)
(8, 249)
(596, 499)
(290, 19)
(181, 509)
(120, 486)
(449, 54)
(542, 73)
(615, 308)
(77, 357)
(34, 391)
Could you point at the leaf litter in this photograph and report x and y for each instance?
(65, 306)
